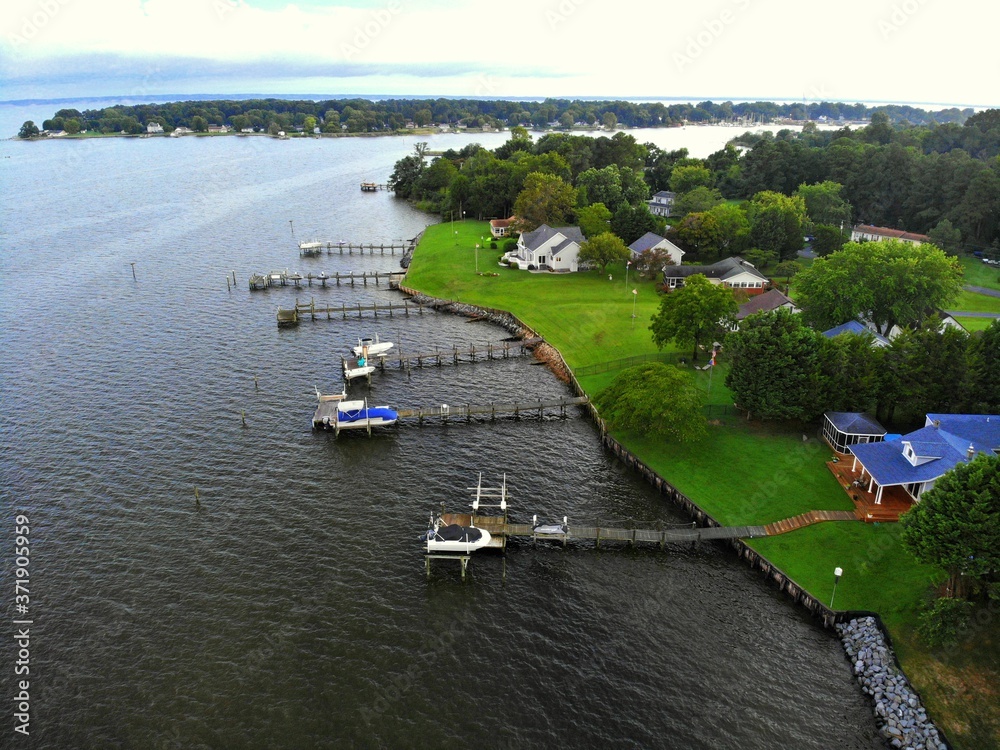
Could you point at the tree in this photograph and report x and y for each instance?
(685, 178)
(650, 263)
(694, 315)
(946, 236)
(654, 397)
(776, 223)
(199, 124)
(594, 219)
(308, 124)
(787, 269)
(406, 175)
(631, 222)
(545, 199)
(890, 282)
(601, 186)
(72, 126)
(603, 250)
(824, 205)
(956, 524)
(610, 119)
(734, 229)
(699, 233)
(697, 200)
(774, 370)
(931, 367)
(827, 239)
(984, 385)
(28, 129)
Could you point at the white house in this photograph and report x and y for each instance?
(154, 127)
(773, 299)
(868, 233)
(653, 241)
(662, 203)
(547, 249)
(500, 227)
(733, 273)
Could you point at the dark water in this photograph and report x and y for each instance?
(289, 608)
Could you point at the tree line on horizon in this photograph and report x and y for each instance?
(358, 115)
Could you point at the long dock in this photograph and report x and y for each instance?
(291, 316)
(259, 281)
(317, 247)
(455, 355)
(447, 411)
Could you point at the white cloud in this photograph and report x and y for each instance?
(856, 49)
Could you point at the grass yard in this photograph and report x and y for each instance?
(584, 315)
(972, 302)
(978, 273)
(974, 324)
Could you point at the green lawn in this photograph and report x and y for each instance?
(974, 324)
(584, 315)
(972, 302)
(978, 273)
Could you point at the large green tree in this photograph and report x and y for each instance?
(594, 219)
(603, 250)
(687, 177)
(28, 129)
(984, 372)
(775, 366)
(824, 204)
(545, 199)
(654, 397)
(956, 524)
(632, 222)
(776, 223)
(697, 200)
(890, 283)
(694, 315)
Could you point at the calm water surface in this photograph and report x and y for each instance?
(289, 608)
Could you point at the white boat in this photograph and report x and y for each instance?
(358, 368)
(371, 347)
(357, 414)
(441, 537)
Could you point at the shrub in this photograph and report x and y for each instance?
(942, 621)
(509, 245)
(493, 245)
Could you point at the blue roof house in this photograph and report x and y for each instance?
(918, 459)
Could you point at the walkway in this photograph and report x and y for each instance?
(982, 290)
(807, 519)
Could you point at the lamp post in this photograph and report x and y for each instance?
(837, 573)
(477, 257)
(635, 295)
(627, 264)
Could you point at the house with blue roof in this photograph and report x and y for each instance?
(858, 328)
(918, 459)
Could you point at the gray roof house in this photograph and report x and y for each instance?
(653, 241)
(547, 249)
(662, 203)
(734, 273)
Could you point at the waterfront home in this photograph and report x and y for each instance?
(501, 227)
(868, 233)
(770, 300)
(653, 241)
(842, 429)
(154, 128)
(918, 459)
(547, 249)
(218, 128)
(733, 273)
(662, 203)
(858, 328)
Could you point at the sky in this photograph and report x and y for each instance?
(913, 51)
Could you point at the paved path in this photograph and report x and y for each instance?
(960, 314)
(982, 290)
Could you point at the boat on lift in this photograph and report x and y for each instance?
(442, 537)
(371, 347)
(358, 368)
(359, 415)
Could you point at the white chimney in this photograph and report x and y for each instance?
(971, 452)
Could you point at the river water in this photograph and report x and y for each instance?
(287, 606)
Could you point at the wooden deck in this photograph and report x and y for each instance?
(895, 500)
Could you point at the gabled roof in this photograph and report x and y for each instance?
(891, 234)
(855, 423)
(648, 240)
(722, 270)
(769, 300)
(501, 223)
(947, 444)
(665, 194)
(853, 326)
(544, 233)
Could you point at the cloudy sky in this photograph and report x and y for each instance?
(922, 51)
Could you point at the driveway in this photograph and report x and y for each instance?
(982, 290)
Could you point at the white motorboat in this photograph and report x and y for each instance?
(371, 347)
(441, 537)
(358, 368)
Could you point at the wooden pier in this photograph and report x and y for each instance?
(371, 248)
(493, 409)
(374, 187)
(342, 311)
(261, 281)
(487, 351)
